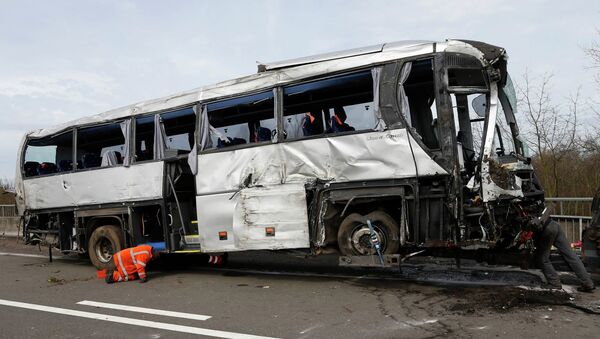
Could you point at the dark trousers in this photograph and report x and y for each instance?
(554, 235)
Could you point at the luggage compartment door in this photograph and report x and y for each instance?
(271, 217)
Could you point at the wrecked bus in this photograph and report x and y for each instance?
(382, 151)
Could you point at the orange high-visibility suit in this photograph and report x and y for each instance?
(131, 263)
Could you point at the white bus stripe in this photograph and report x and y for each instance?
(132, 321)
(145, 310)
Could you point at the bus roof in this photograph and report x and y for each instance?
(276, 74)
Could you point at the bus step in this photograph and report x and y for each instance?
(192, 239)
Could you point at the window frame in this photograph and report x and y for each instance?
(274, 139)
(76, 148)
(134, 118)
(323, 78)
(278, 112)
(73, 130)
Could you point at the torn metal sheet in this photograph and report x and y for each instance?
(496, 181)
(99, 186)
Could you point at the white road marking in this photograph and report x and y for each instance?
(26, 255)
(132, 321)
(145, 310)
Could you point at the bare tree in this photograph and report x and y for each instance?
(552, 130)
(7, 184)
(593, 51)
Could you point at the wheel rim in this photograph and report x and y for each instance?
(360, 239)
(104, 250)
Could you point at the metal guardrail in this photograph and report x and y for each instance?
(8, 211)
(573, 214)
(572, 206)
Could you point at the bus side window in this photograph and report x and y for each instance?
(144, 138)
(243, 120)
(49, 155)
(179, 129)
(419, 89)
(334, 105)
(100, 146)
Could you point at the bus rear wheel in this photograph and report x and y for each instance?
(104, 243)
(354, 236)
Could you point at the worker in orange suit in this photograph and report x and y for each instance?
(131, 264)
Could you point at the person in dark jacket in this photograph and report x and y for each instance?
(548, 234)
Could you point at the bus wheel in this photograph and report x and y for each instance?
(104, 242)
(354, 236)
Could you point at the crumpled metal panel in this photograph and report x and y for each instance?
(367, 156)
(246, 215)
(97, 186)
(491, 191)
(282, 207)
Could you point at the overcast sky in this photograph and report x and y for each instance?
(60, 60)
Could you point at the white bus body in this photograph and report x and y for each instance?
(297, 156)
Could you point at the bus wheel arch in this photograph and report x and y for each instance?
(103, 243)
(353, 233)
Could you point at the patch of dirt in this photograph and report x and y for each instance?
(54, 281)
(502, 299)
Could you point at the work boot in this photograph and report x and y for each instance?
(553, 287)
(586, 288)
(109, 277)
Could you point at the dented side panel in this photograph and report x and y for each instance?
(367, 156)
(281, 208)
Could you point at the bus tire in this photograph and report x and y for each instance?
(354, 235)
(104, 242)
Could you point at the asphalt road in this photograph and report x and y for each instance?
(310, 299)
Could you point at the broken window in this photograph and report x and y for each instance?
(466, 77)
(334, 105)
(419, 89)
(465, 73)
(469, 128)
(243, 120)
(144, 138)
(503, 140)
(49, 155)
(179, 129)
(100, 146)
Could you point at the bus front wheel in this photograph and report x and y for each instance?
(104, 243)
(354, 235)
